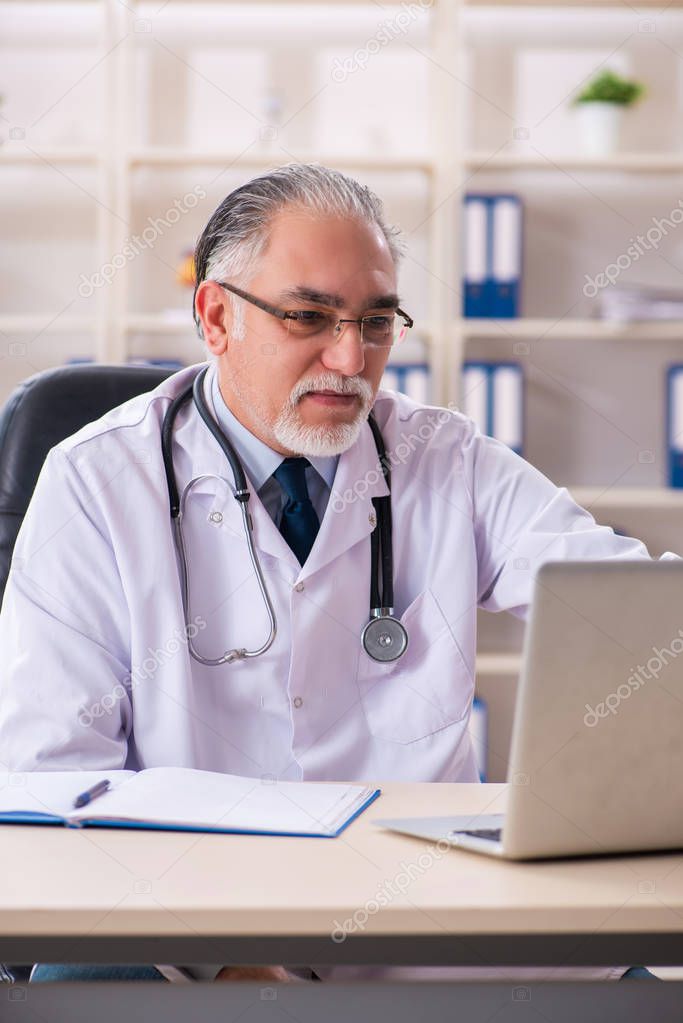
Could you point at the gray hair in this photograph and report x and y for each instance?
(236, 235)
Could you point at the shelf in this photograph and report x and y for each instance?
(157, 323)
(179, 157)
(288, 3)
(59, 155)
(498, 664)
(623, 498)
(518, 329)
(642, 4)
(641, 163)
(50, 323)
(531, 329)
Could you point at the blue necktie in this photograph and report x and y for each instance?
(300, 524)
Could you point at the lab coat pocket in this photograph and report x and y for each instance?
(425, 690)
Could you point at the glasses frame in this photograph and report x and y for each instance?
(283, 314)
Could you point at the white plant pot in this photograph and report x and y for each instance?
(599, 127)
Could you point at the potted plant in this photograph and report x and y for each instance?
(599, 110)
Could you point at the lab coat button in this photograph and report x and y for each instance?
(216, 517)
(299, 587)
(298, 702)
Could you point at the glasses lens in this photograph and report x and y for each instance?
(308, 322)
(379, 331)
(400, 329)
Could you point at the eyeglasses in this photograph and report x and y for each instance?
(380, 330)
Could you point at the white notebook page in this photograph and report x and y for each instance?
(50, 792)
(186, 797)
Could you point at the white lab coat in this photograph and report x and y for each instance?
(96, 673)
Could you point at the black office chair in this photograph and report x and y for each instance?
(40, 413)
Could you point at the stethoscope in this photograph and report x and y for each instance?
(383, 637)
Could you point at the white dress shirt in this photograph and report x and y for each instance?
(260, 462)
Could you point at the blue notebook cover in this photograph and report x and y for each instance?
(28, 817)
(184, 799)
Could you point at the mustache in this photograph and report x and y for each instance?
(332, 382)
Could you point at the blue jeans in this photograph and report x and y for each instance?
(48, 972)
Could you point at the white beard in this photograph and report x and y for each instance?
(327, 438)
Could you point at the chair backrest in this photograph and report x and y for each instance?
(40, 413)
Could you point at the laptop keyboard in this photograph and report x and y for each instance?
(491, 834)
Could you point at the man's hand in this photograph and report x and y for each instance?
(255, 973)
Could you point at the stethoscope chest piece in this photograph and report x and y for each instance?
(384, 638)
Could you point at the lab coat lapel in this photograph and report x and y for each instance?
(197, 454)
(350, 514)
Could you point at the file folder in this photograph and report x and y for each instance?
(410, 378)
(475, 399)
(476, 256)
(478, 732)
(507, 405)
(492, 255)
(493, 396)
(506, 256)
(674, 429)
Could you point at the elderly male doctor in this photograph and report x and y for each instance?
(298, 305)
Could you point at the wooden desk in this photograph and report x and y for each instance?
(128, 896)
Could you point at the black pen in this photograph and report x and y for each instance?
(91, 793)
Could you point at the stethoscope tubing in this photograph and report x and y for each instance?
(382, 627)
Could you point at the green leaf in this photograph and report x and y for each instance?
(608, 87)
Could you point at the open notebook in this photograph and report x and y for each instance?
(182, 799)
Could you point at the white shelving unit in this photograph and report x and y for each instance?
(646, 498)
(446, 169)
(169, 157)
(117, 159)
(498, 664)
(569, 329)
(518, 164)
(627, 163)
(15, 154)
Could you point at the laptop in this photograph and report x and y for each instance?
(596, 758)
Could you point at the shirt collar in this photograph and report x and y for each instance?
(259, 460)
